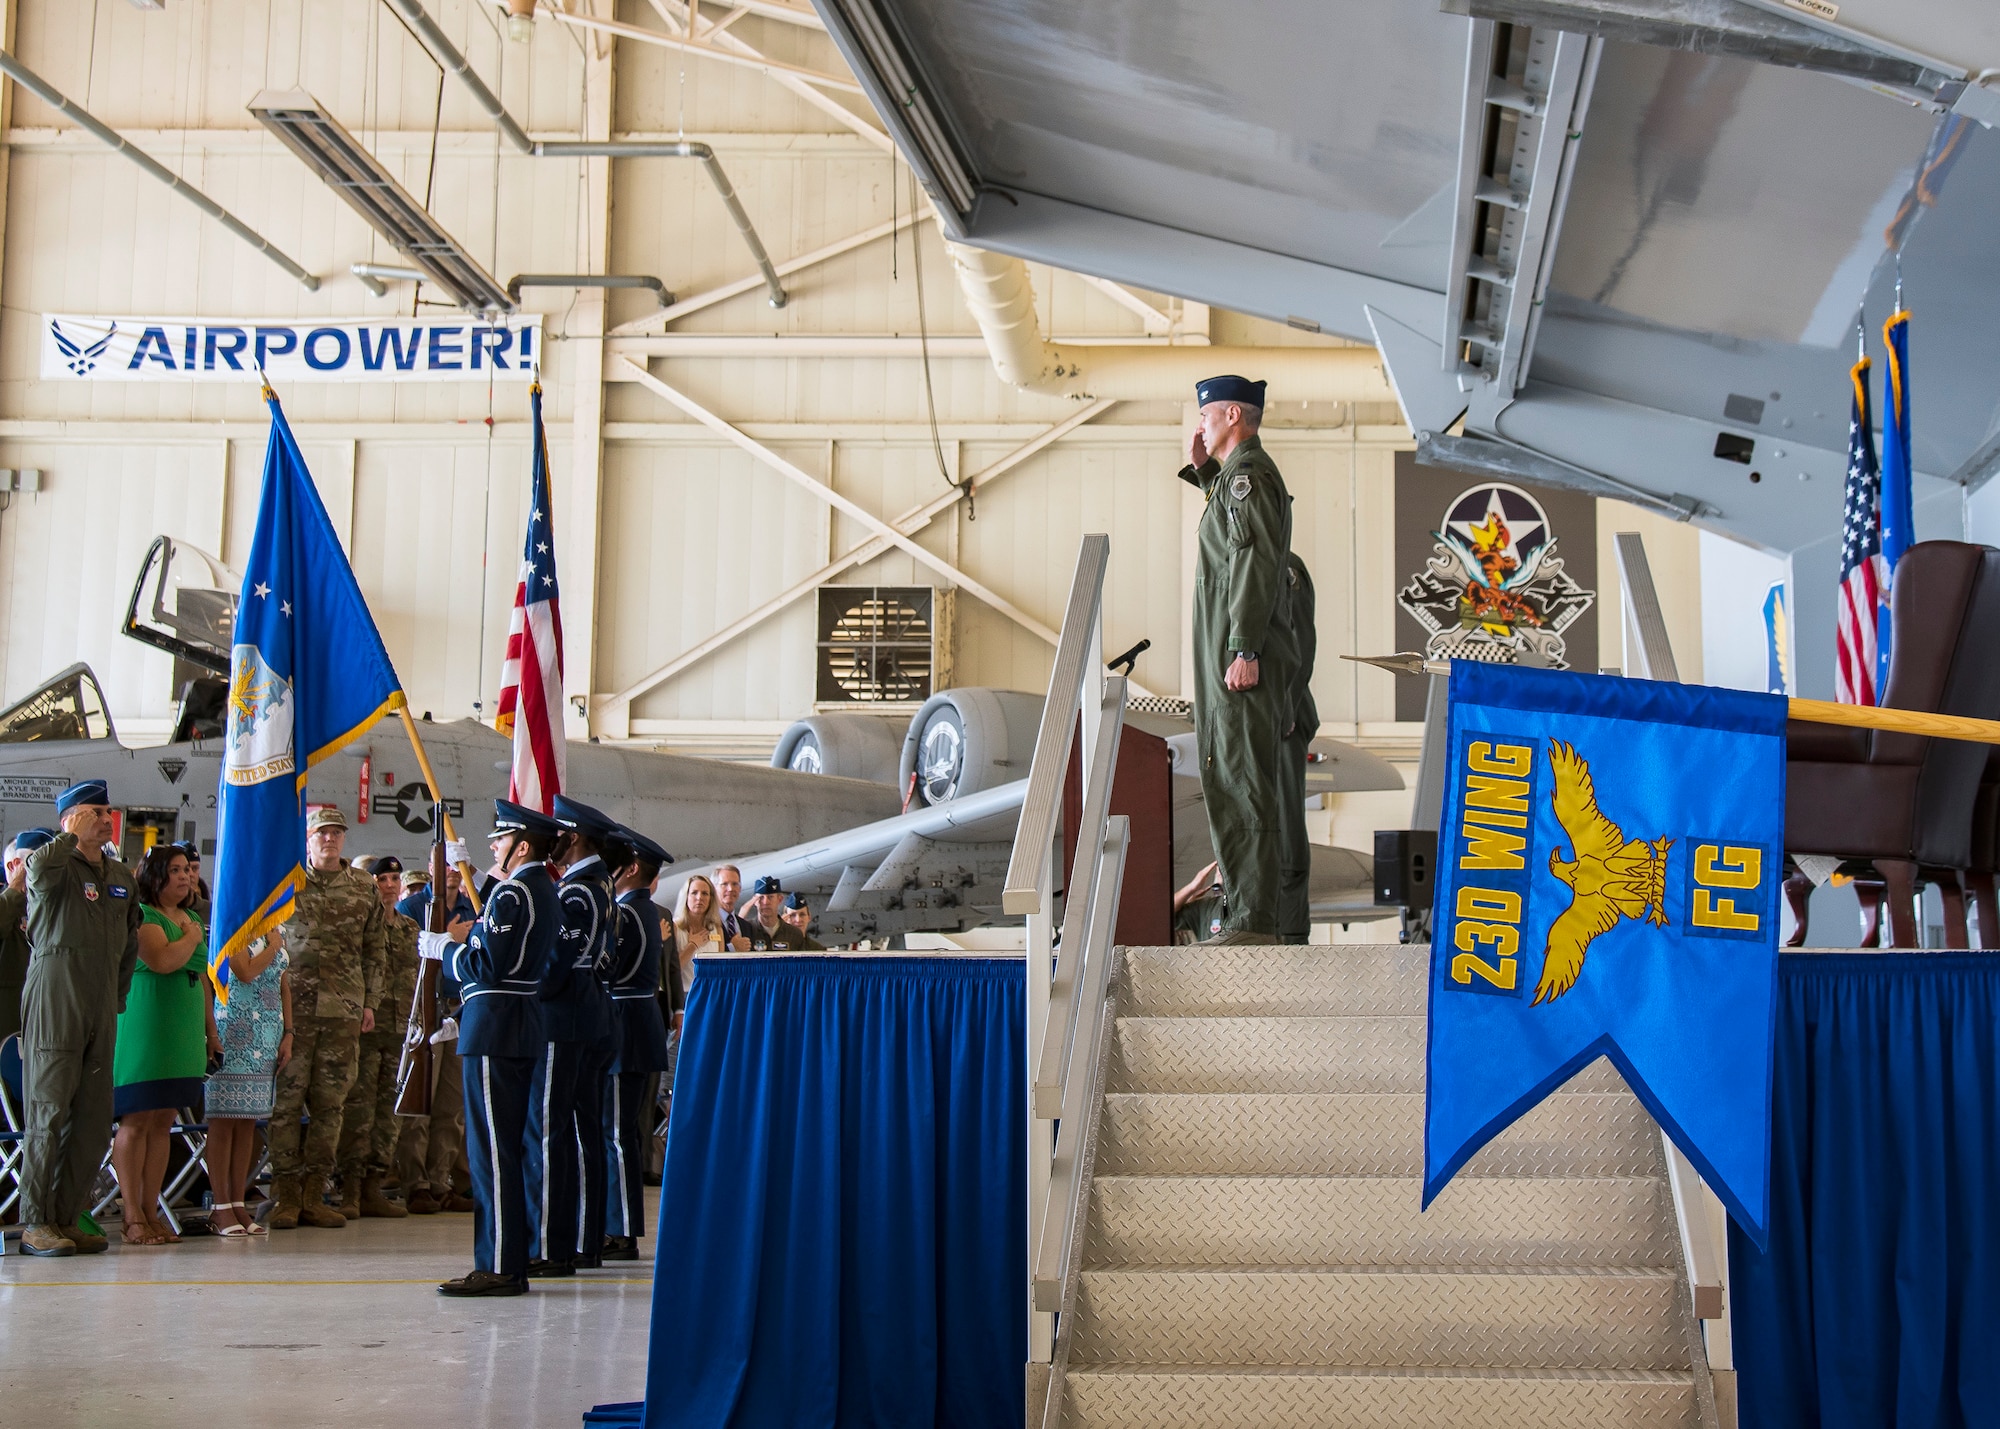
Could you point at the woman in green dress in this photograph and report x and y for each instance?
(162, 1049)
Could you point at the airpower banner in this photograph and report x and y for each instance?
(141, 349)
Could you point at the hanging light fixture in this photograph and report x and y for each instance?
(521, 20)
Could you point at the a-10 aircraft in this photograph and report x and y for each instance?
(889, 827)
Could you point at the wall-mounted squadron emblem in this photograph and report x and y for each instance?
(1610, 877)
(1494, 588)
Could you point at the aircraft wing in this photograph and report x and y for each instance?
(1627, 244)
(938, 867)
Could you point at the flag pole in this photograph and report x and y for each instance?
(437, 794)
(1936, 726)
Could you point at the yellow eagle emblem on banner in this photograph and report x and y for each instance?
(1609, 878)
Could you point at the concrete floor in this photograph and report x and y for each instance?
(309, 1328)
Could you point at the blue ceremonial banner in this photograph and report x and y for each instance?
(307, 672)
(1608, 872)
(1898, 496)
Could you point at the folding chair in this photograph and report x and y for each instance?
(13, 1134)
(190, 1133)
(193, 1135)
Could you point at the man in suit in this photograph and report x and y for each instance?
(728, 893)
(566, 1115)
(495, 969)
(642, 1047)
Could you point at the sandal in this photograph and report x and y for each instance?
(234, 1230)
(141, 1233)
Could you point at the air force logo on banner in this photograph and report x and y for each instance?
(260, 720)
(505, 348)
(77, 357)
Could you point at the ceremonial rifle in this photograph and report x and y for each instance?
(416, 1073)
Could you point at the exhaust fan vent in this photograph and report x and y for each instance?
(875, 644)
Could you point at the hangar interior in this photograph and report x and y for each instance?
(690, 565)
(831, 429)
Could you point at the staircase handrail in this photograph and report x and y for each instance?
(1069, 977)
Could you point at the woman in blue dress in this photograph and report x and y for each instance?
(256, 1025)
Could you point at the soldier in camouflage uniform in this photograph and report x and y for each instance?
(368, 1119)
(336, 943)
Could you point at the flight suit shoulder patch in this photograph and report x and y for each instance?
(1239, 486)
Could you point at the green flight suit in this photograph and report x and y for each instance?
(335, 941)
(1295, 918)
(1239, 600)
(83, 924)
(13, 957)
(368, 1128)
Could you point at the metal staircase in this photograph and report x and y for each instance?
(1225, 1166)
(1253, 1255)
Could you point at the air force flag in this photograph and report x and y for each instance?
(1608, 885)
(307, 674)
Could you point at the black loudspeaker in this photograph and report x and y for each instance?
(1405, 867)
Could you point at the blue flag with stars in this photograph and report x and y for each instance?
(1608, 869)
(308, 674)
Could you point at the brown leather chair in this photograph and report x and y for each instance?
(1905, 802)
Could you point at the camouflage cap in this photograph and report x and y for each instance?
(327, 816)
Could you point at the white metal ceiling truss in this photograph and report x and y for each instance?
(1526, 92)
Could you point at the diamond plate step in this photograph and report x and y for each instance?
(1501, 1223)
(1362, 1134)
(1380, 979)
(1285, 1054)
(1379, 1399)
(1600, 1319)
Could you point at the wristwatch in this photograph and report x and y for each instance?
(1246, 654)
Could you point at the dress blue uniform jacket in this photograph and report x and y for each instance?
(635, 986)
(498, 970)
(575, 1006)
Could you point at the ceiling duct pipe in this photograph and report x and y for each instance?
(376, 277)
(1002, 301)
(447, 54)
(89, 122)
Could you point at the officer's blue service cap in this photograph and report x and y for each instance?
(90, 791)
(767, 885)
(795, 900)
(582, 819)
(28, 840)
(512, 818)
(644, 846)
(1229, 389)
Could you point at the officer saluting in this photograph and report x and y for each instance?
(497, 973)
(565, 1116)
(1242, 650)
(83, 928)
(642, 1046)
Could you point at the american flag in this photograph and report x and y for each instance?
(534, 646)
(1863, 572)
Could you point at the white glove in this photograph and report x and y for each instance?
(447, 1031)
(455, 853)
(433, 946)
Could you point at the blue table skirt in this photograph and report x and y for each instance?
(1878, 1302)
(844, 1212)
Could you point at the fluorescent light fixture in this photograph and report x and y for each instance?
(305, 127)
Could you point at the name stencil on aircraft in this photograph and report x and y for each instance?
(141, 349)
